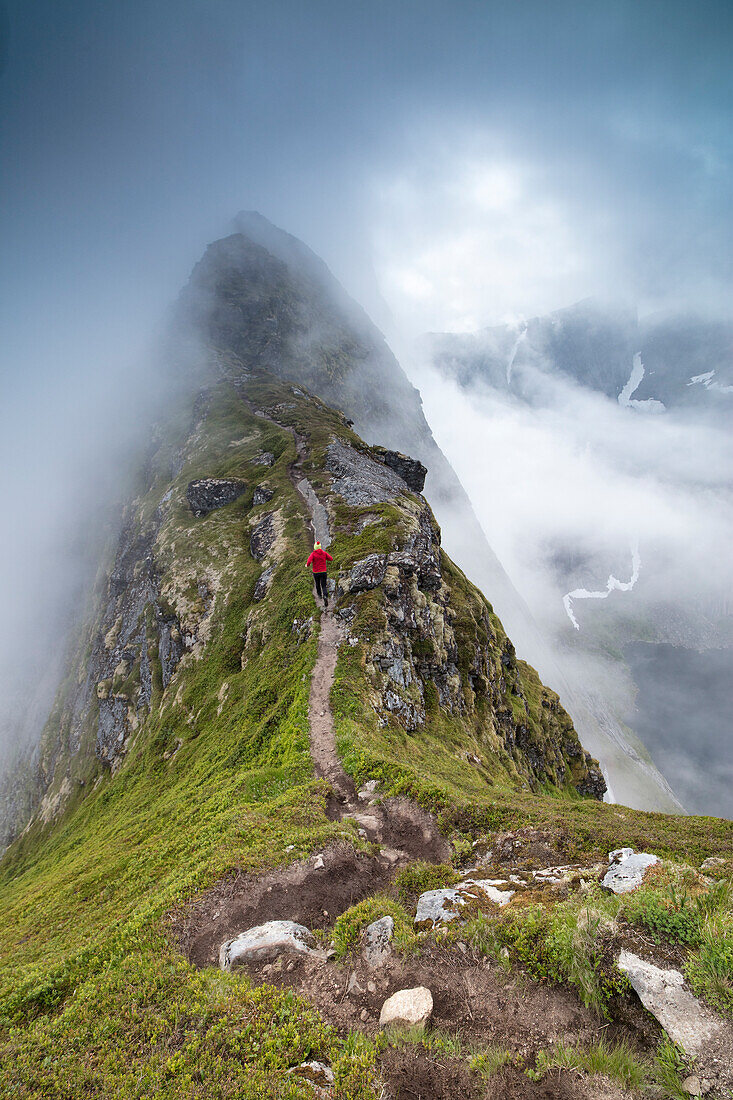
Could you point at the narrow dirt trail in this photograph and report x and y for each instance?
(406, 829)
(322, 739)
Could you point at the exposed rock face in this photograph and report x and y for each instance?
(627, 869)
(663, 992)
(411, 470)
(367, 573)
(263, 537)
(266, 941)
(112, 727)
(408, 1008)
(209, 493)
(262, 495)
(265, 458)
(359, 479)
(594, 785)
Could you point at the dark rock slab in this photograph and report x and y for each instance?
(594, 785)
(262, 537)
(111, 727)
(262, 584)
(209, 493)
(411, 470)
(262, 494)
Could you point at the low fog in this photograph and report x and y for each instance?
(457, 166)
(613, 522)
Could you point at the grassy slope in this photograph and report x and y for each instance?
(95, 999)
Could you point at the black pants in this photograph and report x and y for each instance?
(321, 587)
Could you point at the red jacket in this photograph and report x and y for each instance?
(319, 560)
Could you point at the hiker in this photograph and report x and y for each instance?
(318, 561)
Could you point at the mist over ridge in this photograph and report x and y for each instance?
(570, 154)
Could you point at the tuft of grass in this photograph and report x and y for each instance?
(668, 916)
(436, 1041)
(669, 1070)
(709, 969)
(489, 1059)
(420, 876)
(598, 1059)
(562, 943)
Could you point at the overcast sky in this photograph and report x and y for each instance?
(456, 162)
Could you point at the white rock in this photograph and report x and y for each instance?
(318, 864)
(440, 906)
(713, 863)
(376, 948)
(318, 1073)
(692, 1085)
(266, 941)
(663, 992)
(408, 1008)
(627, 869)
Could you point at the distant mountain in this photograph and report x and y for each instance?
(682, 361)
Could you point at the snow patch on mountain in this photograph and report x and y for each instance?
(634, 381)
(706, 380)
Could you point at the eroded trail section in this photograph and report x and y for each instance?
(322, 739)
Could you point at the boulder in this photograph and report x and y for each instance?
(663, 993)
(266, 941)
(264, 458)
(376, 947)
(411, 470)
(208, 493)
(441, 906)
(627, 869)
(408, 1008)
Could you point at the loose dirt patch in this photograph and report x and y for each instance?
(301, 892)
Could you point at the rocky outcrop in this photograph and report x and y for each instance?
(358, 478)
(209, 493)
(441, 906)
(262, 584)
(262, 495)
(411, 470)
(264, 458)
